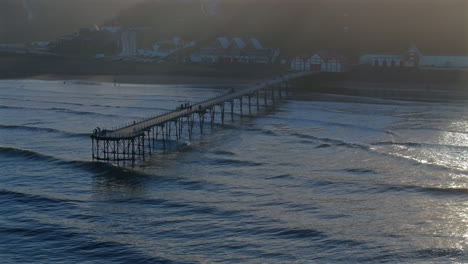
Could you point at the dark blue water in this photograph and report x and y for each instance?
(331, 180)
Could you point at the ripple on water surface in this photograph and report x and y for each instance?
(312, 181)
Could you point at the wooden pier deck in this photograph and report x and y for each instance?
(128, 142)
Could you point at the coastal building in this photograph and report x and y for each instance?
(128, 40)
(239, 43)
(298, 63)
(413, 58)
(167, 47)
(379, 60)
(128, 43)
(236, 50)
(321, 61)
(315, 63)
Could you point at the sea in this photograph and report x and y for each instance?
(330, 179)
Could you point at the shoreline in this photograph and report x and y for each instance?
(401, 84)
(428, 86)
(46, 68)
(145, 79)
(388, 91)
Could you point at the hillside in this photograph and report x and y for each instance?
(352, 26)
(35, 20)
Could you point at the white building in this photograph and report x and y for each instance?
(315, 61)
(128, 43)
(414, 58)
(380, 60)
(298, 64)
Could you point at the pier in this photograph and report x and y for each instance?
(138, 140)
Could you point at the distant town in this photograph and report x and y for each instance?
(114, 42)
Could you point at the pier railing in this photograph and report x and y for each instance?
(145, 123)
(129, 141)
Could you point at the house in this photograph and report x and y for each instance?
(222, 43)
(236, 50)
(239, 43)
(256, 44)
(322, 61)
(409, 59)
(145, 52)
(315, 62)
(297, 64)
(412, 56)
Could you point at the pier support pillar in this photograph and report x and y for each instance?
(142, 146)
(273, 94)
(258, 104)
(222, 113)
(92, 147)
(212, 115)
(181, 126)
(149, 141)
(176, 127)
(133, 152)
(232, 110)
(163, 136)
(240, 103)
(190, 121)
(201, 119)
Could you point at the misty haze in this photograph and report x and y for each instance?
(234, 131)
